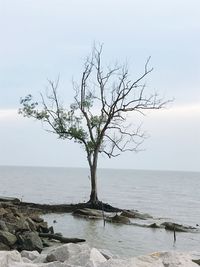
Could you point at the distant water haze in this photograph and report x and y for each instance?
(164, 194)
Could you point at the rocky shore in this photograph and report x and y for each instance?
(81, 255)
(27, 240)
(23, 228)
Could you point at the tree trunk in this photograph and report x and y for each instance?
(93, 172)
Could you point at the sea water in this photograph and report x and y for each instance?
(166, 195)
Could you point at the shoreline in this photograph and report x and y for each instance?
(21, 221)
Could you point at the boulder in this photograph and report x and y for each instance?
(30, 241)
(4, 247)
(136, 215)
(128, 213)
(25, 260)
(7, 238)
(83, 256)
(178, 227)
(3, 212)
(75, 254)
(7, 258)
(89, 213)
(31, 224)
(96, 256)
(46, 243)
(153, 225)
(159, 259)
(9, 216)
(118, 219)
(15, 211)
(22, 224)
(36, 218)
(12, 227)
(174, 259)
(3, 226)
(40, 259)
(42, 227)
(31, 255)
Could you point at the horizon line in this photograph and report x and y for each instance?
(100, 168)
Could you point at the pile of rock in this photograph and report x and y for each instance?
(76, 255)
(20, 229)
(24, 229)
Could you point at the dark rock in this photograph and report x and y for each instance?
(178, 227)
(30, 241)
(196, 261)
(7, 238)
(51, 230)
(129, 214)
(15, 212)
(45, 243)
(3, 212)
(135, 214)
(36, 218)
(3, 226)
(153, 225)
(90, 213)
(3, 246)
(12, 227)
(43, 227)
(13, 200)
(9, 216)
(119, 219)
(22, 224)
(31, 224)
(60, 238)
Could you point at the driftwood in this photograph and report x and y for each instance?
(61, 238)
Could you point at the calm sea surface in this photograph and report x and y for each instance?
(174, 196)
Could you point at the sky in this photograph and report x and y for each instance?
(43, 39)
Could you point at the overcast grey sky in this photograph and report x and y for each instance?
(41, 39)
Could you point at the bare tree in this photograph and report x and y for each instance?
(98, 117)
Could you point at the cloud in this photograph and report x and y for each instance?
(8, 114)
(184, 111)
